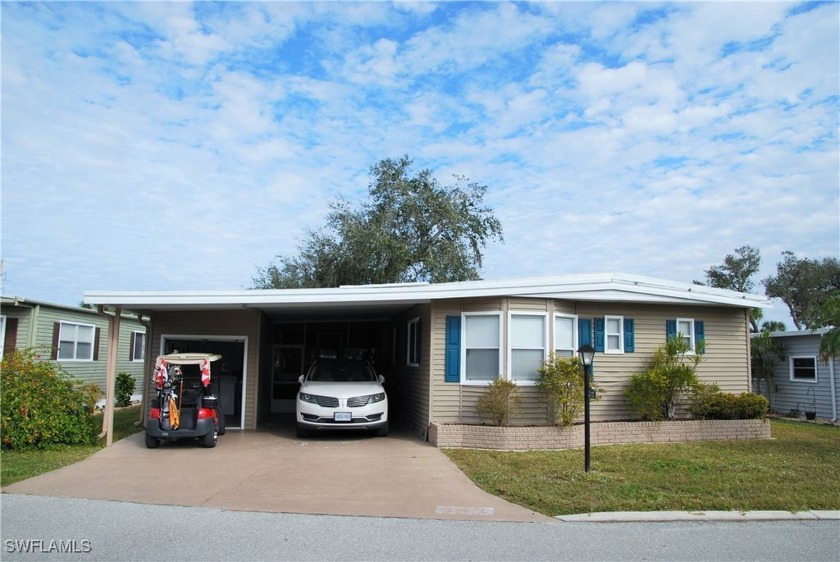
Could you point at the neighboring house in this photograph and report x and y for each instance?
(74, 337)
(439, 345)
(802, 382)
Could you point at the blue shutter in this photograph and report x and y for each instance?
(452, 368)
(584, 331)
(599, 334)
(700, 336)
(629, 337)
(670, 329)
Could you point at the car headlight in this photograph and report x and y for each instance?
(311, 398)
(374, 398)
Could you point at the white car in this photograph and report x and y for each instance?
(341, 394)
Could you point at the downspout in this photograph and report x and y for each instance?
(110, 372)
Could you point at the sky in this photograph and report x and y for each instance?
(180, 146)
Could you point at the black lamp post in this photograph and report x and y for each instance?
(587, 355)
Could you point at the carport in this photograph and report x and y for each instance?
(269, 338)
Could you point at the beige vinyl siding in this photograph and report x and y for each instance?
(244, 324)
(725, 361)
(409, 386)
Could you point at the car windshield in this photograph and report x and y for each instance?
(341, 372)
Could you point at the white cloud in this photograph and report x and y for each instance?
(657, 138)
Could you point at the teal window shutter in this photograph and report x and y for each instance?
(584, 331)
(629, 336)
(452, 368)
(670, 329)
(599, 334)
(700, 336)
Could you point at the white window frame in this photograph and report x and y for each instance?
(620, 335)
(76, 326)
(413, 340)
(464, 330)
(134, 357)
(691, 336)
(511, 348)
(575, 336)
(815, 380)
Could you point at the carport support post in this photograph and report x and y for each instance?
(110, 373)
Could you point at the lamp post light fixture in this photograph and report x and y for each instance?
(587, 355)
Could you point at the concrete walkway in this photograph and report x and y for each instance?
(272, 471)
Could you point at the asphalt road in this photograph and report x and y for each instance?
(43, 528)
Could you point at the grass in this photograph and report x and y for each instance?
(20, 465)
(795, 471)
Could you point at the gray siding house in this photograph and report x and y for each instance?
(802, 382)
(439, 345)
(76, 338)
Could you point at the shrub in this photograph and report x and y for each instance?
(709, 403)
(42, 405)
(656, 393)
(561, 381)
(499, 402)
(124, 390)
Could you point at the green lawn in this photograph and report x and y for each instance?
(20, 465)
(794, 471)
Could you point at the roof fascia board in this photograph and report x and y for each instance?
(598, 287)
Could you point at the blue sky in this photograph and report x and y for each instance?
(180, 146)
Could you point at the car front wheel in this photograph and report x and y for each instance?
(382, 431)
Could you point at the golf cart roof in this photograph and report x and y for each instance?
(189, 358)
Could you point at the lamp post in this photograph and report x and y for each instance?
(587, 355)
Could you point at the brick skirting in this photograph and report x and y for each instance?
(458, 436)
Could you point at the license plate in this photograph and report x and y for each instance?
(343, 416)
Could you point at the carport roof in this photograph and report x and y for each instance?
(387, 299)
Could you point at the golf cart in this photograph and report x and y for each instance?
(184, 407)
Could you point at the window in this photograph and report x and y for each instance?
(528, 341)
(614, 334)
(138, 346)
(75, 342)
(685, 329)
(482, 342)
(565, 335)
(803, 369)
(413, 352)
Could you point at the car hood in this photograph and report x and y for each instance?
(341, 389)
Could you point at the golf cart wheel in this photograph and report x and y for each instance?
(209, 439)
(152, 442)
(382, 431)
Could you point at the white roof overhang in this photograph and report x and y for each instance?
(386, 300)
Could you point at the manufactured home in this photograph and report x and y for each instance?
(439, 345)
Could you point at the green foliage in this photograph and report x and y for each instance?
(804, 285)
(561, 381)
(411, 229)
(829, 316)
(499, 402)
(656, 393)
(42, 405)
(736, 274)
(766, 353)
(124, 389)
(709, 403)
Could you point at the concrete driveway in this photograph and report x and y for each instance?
(337, 474)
